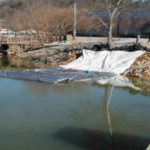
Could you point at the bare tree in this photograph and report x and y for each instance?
(56, 16)
(112, 7)
(54, 21)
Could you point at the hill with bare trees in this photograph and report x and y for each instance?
(56, 17)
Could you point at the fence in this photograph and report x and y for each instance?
(27, 39)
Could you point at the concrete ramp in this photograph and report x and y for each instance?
(105, 61)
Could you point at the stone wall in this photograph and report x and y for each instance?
(18, 49)
(52, 56)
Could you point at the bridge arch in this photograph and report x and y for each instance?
(4, 48)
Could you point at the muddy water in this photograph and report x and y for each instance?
(74, 116)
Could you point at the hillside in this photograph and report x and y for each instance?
(9, 7)
(44, 14)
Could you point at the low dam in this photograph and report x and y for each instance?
(90, 66)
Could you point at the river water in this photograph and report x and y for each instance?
(74, 116)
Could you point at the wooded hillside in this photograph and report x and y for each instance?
(56, 16)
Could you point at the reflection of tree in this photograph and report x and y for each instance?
(107, 101)
(93, 109)
(106, 107)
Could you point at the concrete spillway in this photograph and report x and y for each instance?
(105, 61)
(105, 67)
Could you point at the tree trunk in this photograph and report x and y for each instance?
(110, 44)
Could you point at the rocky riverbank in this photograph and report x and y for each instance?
(141, 67)
(49, 55)
(64, 54)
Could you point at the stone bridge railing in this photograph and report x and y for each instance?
(27, 40)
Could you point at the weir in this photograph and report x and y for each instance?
(105, 61)
(101, 67)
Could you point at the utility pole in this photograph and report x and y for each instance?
(75, 19)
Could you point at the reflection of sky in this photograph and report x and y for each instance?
(30, 113)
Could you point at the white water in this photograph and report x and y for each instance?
(105, 61)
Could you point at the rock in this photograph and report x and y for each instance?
(50, 55)
(141, 67)
(70, 56)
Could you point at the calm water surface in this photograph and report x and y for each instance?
(18, 64)
(74, 116)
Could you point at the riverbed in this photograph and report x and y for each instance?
(73, 116)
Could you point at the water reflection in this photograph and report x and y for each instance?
(16, 63)
(144, 87)
(143, 84)
(108, 140)
(5, 61)
(95, 140)
(73, 116)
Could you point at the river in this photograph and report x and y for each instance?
(73, 116)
